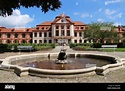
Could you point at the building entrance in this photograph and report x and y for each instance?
(62, 41)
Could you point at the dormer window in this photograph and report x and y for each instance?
(42, 28)
(27, 30)
(37, 28)
(47, 28)
(77, 28)
(12, 30)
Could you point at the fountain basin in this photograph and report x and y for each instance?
(13, 61)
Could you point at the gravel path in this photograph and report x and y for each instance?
(117, 76)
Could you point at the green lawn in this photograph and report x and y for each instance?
(112, 49)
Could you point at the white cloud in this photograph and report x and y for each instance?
(116, 24)
(76, 13)
(77, 3)
(100, 10)
(112, 1)
(113, 14)
(15, 20)
(119, 15)
(110, 12)
(100, 20)
(82, 15)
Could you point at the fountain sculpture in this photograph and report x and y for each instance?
(62, 57)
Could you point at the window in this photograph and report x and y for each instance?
(45, 34)
(27, 30)
(35, 41)
(40, 41)
(37, 28)
(35, 34)
(42, 28)
(62, 33)
(68, 27)
(8, 41)
(40, 34)
(50, 41)
(75, 41)
(75, 34)
(80, 41)
(62, 27)
(31, 35)
(57, 27)
(8, 35)
(68, 32)
(23, 35)
(82, 28)
(23, 41)
(45, 41)
(47, 28)
(80, 34)
(69, 40)
(50, 35)
(77, 28)
(16, 35)
(57, 32)
(12, 30)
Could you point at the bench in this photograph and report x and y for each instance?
(109, 46)
(25, 48)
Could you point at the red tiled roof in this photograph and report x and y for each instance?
(17, 30)
(1, 27)
(78, 23)
(45, 23)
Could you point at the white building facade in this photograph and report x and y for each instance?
(61, 30)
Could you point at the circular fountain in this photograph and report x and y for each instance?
(62, 64)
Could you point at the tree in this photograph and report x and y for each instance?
(7, 6)
(101, 32)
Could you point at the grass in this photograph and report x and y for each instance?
(112, 49)
(87, 48)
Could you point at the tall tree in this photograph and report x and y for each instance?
(100, 32)
(7, 6)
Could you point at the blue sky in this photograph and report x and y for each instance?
(86, 11)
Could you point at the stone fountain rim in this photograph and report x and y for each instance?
(26, 70)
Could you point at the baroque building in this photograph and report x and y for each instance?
(61, 30)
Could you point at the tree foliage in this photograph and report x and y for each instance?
(7, 6)
(95, 33)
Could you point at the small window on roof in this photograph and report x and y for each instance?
(37, 28)
(12, 30)
(42, 28)
(27, 30)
